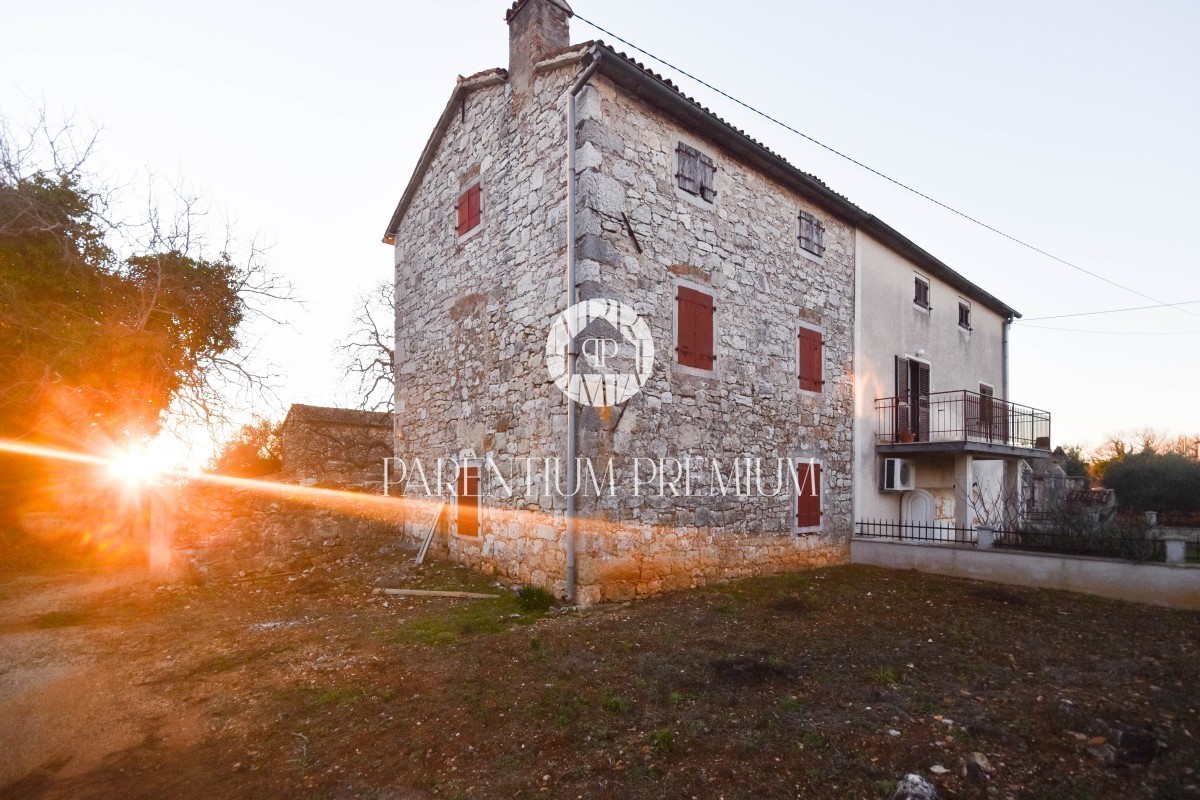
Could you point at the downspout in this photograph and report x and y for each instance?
(576, 88)
(1004, 356)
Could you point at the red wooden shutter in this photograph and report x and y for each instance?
(812, 345)
(469, 209)
(462, 214)
(473, 206)
(695, 322)
(468, 501)
(808, 501)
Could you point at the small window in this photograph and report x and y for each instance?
(812, 234)
(468, 501)
(812, 357)
(697, 173)
(964, 315)
(694, 338)
(808, 498)
(469, 210)
(921, 292)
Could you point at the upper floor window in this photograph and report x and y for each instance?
(921, 292)
(694, 329)
(964, 314)
(812, 234)
(812, 358)
(469, 209)
(697, 173)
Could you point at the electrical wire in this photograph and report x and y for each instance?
(1114, 333)
(1109, 311)
(887, 178)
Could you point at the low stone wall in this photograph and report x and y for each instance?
(619, 561)
(222, 532)
(1155, 584)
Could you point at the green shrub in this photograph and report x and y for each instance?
(534, 599)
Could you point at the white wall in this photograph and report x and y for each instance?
(889, 324)
(1156, 584)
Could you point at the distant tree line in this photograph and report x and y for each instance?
(1147, 469)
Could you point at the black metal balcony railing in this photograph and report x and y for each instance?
(961, 416)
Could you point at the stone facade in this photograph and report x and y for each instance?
(473, 313)
(743, 250)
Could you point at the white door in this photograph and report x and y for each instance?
(919, 508)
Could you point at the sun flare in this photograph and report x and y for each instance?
(134, 467)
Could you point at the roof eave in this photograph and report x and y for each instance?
(652, 89)
(463, 87)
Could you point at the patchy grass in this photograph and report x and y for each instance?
(826, 684)
(463, 618)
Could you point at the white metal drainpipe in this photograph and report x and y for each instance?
(576, 88)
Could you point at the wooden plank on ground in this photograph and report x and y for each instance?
(432, 530)
(435, 593)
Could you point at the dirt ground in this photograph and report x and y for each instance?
(832, 683)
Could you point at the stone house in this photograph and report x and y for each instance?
(342, 447)
(578, 175)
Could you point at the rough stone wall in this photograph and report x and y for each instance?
(335, 454)
(742, 249)
(472, 314)
(218, 532)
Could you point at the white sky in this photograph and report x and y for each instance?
(1073, 125)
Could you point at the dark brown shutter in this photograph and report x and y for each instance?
(689, 169)
(468, 501)
(708, 177)
(985, 410)
(808, 500)
(922, 392)
(903, 421)
(811, 345)
(695, 327)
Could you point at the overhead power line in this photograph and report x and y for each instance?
(887, 178)
(1109, 311)
(1115, 333)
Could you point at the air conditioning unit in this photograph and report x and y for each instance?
(899, 475)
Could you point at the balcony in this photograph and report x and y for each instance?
(961, 421)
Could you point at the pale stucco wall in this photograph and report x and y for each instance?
(889, 324)
(1155, 584)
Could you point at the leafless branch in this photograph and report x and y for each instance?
(368, 353)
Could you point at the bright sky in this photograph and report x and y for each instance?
(1072, 125)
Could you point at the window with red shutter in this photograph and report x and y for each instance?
(808, 499)
(812, 357)
(469, 209)
(694, 315)
(468, 501)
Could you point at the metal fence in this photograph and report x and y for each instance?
(1130, 546)
(961, 416)
(915, 531)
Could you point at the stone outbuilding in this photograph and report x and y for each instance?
(342, 447)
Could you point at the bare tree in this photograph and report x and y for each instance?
(369, 354)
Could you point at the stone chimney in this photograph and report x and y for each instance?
(536, 28)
